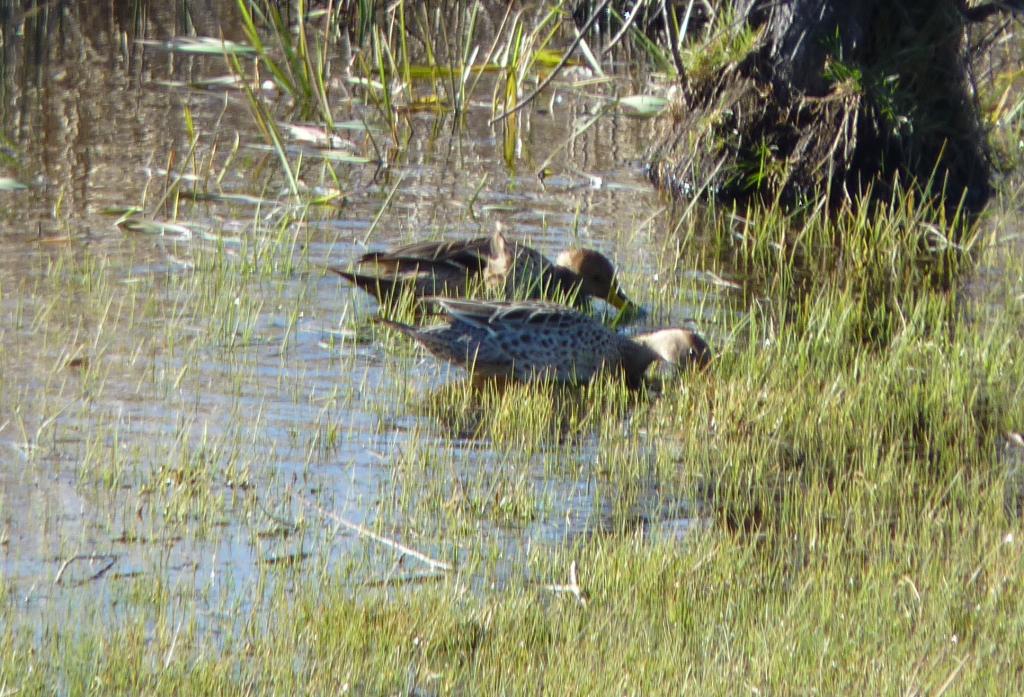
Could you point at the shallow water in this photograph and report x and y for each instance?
(149, 435)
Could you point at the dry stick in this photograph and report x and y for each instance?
(705, 185)
(561, 64)
(952, 676)
(575, 134)
(588, 55)
(111, 559)
(366, 532)
(673, 40)
(630, 18)
(494, 44)
(384, 207)
(572, 587)
(174, 644)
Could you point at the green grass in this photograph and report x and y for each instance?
(855, 537)
(853, 500)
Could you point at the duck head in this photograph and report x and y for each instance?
(596, 276)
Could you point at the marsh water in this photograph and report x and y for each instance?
(189, 397)
(195, 411)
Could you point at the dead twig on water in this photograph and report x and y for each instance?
(110, 560)
(366, 532)
(561, 64)
(572, 587)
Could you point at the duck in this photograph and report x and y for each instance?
(531, 340)
(446, 268)
(511, 270)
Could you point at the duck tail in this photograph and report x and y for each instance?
(376, 286)
(406, 329)
(371, 258)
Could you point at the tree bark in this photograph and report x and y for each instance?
(842, 97)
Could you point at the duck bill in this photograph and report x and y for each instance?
(618, 299)
(628, 310)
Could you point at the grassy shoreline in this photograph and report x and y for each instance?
(862, 532)
(848, 477)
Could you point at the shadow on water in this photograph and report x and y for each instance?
(174, 392)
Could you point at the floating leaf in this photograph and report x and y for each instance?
(213, 83)
(431, 72)
(9, 184)
(363, 82)
(548, 57)
(307, 134)
(222, 198)
(358, 126)
(343, 156)
(120, 211)
(316, 135)
(433, 104)
(437, 72)
(145, 226)
(216, 82)
(327, 197)
(643, 105)
(205, 45)
(332, 155)
(159, 172)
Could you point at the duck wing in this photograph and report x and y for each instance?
(440, 280)
(540, 339)
(524, 314)
(467, 256)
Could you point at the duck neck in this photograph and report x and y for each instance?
(636, 357)
(562, 281)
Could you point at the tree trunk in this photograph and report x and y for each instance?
(842, 97)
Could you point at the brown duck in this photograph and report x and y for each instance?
(528, 340)
(508, 269)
